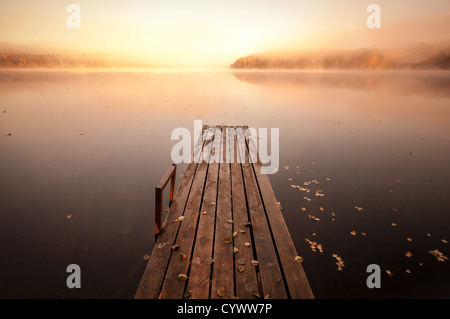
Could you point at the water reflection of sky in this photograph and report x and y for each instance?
(94, 145)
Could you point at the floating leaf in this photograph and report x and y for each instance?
(408, 254)
(389, 273)
(359, 208)
(394, 224)
(69, 216)
(304, 209)
(409, 239)
(408, 271)
(353, 233)
(364, 234)
(321, 208)
(298, 259)
(319, 193)
(182, 277)
(394, 210)
(444, 241)
(146, 257)
(439, 256)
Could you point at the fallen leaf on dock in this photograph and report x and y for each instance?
(183, 256)
(298, 259)
(221, 291)
(227, 240)
(230, 221)
(182, 277)
(175, 247)
(180, 219)
(241, 268)
(247, 244)
(235, 250)
(254, 263)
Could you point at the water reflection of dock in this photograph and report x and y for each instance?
(224, 235)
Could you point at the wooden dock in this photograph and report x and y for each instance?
(224, 235)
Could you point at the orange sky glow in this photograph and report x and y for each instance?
(200, 33)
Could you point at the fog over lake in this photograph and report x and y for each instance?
(81, 153)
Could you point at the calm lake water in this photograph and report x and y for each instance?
(92, 146)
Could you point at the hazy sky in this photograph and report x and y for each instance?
(215, 33)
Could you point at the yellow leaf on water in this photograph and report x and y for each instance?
(146, 257)
(69, 216)
(408, 271)
(444, 241)
(439, 256)
(221, 291)
(359, 208)
(389, 273)
(408, 254)
(409, 239)
(394, 224)
(353, 233)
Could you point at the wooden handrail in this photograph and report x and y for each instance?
(159, 189)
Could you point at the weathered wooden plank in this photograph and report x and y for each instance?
(295, 277)
(222, 285)
(200, 274)
(173, 286)
(245, 274)
(269, 269)
(154, 273)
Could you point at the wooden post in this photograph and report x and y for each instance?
(159, 189)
